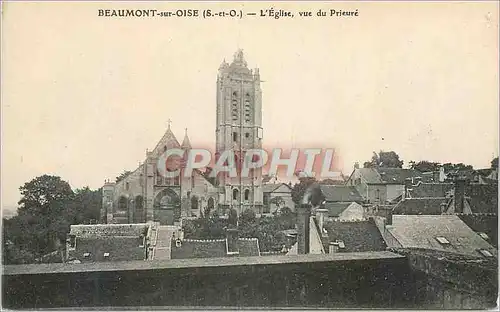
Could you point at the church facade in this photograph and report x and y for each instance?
(146, 195)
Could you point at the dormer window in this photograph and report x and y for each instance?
(341, 245)
(485, 253)
(484, 236)
(442, 240)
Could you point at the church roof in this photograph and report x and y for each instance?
(168, 140)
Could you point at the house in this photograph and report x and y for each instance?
(342, 202)
(442, 233)
(460, 197)
(381, 185)
(277, 196)
(108, 242)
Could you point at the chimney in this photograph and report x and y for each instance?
(459, 195)
(356, 165)
(321, 214)
(303, 214)
(232, 240)
(408, 184)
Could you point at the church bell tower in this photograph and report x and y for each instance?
(239, 128)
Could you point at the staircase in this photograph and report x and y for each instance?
(162, 250)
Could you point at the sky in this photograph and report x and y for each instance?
(84, 96)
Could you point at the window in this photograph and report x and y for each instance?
(442, 240)
(194, 203)
(247, 135)
(127, 186)
(485, 253)
(86, 254)
(247, 194)
(266, 199)
(235, 136)
(106, 254)
(235, 194)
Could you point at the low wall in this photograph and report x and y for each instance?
(358, 280)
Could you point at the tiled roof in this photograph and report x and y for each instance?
(335, 209)
(388, 175)
(483, 223)
(370, 175)
(483, 198)
(118, 248)
(413, 231)
(358, 236)
(340, 193)
(421, 190)
(397, 175)
(420, 206)
(199, 249)
(98, 230)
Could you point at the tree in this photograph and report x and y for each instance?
(47, 207)
(233, 217)
(494, 163)
(300, 188)
(86, 206)
(247, 217)
(459, 167)
(123, 175)
(424, 166)
(278, 201)
(384, 160)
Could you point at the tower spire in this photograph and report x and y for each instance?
(186, 144)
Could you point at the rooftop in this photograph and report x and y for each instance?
(340, 193)
(357, 236)
(420, 206)
(423, 231)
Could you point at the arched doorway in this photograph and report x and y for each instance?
(167, 207)
(139, 215)
(121, 214)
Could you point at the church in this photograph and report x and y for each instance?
(145, 195)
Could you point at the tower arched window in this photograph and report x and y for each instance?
(235, 194)
(247, 194)
(194, 203)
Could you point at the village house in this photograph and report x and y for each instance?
(277, 196)
(381, 185)
(343, 202)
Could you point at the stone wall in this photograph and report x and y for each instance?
(370, 283)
